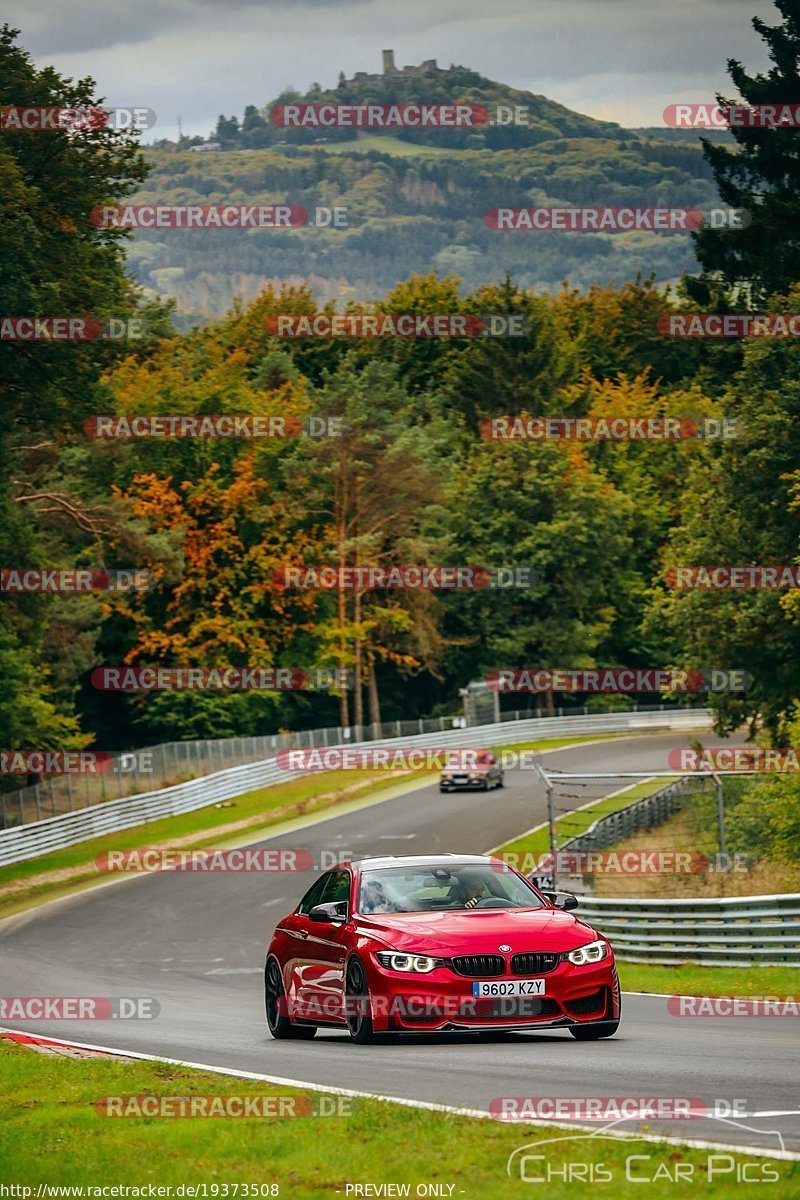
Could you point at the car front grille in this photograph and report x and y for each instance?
(534, 964)
(478, 965)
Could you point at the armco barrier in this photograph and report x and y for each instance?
(741, 931)
(170, 763)
(56, 833)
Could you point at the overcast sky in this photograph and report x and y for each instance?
(623, 60)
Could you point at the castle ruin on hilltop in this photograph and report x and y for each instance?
(390, 71)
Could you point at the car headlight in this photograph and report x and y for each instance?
(446, 775)
(415, 964)
(475, 775)
(590, 953)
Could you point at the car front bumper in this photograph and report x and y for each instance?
(443, 1001)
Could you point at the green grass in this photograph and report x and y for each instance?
(690, 979)
(384, 142)
(51, 1133)
(685, 978)
(575, 823)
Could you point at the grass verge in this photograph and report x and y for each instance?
(695, 826)
(682, 978)
(537, 841)
(691, 979)
(51, 1133)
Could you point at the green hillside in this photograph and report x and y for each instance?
(416, 200)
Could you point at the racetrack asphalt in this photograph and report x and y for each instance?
(196, 943)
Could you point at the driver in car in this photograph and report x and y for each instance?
(472, 889)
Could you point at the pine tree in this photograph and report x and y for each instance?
(762, 177)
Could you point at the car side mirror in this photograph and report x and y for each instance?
(564, 900)
(332, 913)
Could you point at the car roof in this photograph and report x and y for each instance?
(419, 860)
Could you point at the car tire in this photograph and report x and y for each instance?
(485, 786)
(279, 1023)
(598, 1029)
(501, 781)
(359, 1023)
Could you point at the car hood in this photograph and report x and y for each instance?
(547, 930)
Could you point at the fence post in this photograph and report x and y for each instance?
(720, 815)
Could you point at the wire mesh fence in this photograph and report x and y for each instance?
(154, 767)
(700, 835)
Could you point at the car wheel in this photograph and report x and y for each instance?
(359, 1020)
(278, 1021)
(500, 781)
(590, 1033)
(485, 786)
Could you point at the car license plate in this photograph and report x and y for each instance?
(508, 987)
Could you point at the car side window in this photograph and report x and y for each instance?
(337, 888)
(313, 895)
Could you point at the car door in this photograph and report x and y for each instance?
(321, 978)
(295, 930)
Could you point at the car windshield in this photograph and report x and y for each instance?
(448, 887)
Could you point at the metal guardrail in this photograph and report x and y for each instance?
(56, 833)
(161, 766)
(731, 931)
(739, 931)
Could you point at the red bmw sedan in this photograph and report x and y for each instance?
(436, 943)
